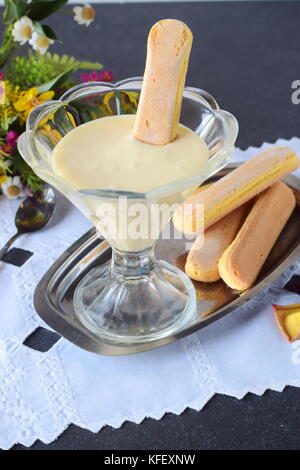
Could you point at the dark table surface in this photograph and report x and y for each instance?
(247, 56)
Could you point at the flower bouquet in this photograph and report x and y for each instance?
(27, 80)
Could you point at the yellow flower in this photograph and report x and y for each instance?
(3, 179)
(7, 111)
(12, 93)
(3, 175)
(72, 120)
(53, 135)
(2, 92)
(106, 99)
(28, 100)
(129, 102)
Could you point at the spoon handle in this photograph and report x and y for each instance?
(4, 250)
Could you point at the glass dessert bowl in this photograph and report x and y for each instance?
(135, 297)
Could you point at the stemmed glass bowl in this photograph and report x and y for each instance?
(135, 297)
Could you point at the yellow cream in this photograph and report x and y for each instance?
(103, 154)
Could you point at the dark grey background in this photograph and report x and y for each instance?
(246, 55)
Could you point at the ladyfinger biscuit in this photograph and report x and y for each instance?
(236, 188)
(241, 262)
(202, 261)
(168, 50)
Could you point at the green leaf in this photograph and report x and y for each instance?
(15, 9)
(37, 69)
(41, 1)
(10, 13)
(28, 177)
(3, 164)
(44, 30)
(89, 65)
(49, 32)
(40, 9)
(38, 28)
(21, 8)
(56, 81)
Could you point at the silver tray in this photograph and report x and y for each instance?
(53, 298)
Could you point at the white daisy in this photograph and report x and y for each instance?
(84, 15)
(22, 30)
(13, 188)
(40, 42)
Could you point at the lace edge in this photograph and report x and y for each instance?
(196, 405)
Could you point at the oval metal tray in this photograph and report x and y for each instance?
(53, 299)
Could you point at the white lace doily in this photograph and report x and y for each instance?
(41, 393)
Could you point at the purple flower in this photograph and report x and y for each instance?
(7, 148)
(2, 76)
(90, 77)
(105, 76)
(11, 142)
(28, 191)
(11, 138)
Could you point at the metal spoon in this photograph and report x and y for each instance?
(33, 213)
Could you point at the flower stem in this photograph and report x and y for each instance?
(66, 12)
(7, 46)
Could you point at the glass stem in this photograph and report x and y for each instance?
(131, 264)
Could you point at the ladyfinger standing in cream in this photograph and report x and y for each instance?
(168, 51)
(139, 153)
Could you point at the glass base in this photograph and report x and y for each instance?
(139, 308)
